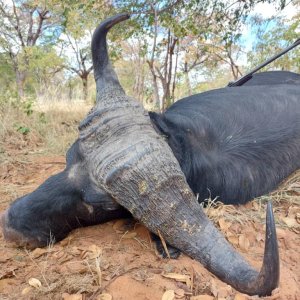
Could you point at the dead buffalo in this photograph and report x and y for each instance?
(232, 143)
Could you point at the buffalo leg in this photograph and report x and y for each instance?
(173, 252)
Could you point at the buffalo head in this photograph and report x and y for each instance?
(122, 159)
(63, 202)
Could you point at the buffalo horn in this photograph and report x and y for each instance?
(135, 165)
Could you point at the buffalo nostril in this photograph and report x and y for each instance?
(14, 237)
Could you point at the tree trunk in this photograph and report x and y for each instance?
(84, 79)
(175, 73)
(20, 80)
(138, 88)
(188, 83)
(155, 85)
(70, 91)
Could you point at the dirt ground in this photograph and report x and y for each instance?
(117, 260)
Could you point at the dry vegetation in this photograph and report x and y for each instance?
(117, 260)
(49, 127)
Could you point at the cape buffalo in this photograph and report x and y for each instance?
(233, 143)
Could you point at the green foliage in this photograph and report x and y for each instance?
(7, 78)
(25, 28)
(282, 34)
(44, 62)
(42, 118)
(22, 129)
(28, 107)
(207, 35)
(39, 63)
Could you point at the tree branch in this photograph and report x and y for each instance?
(42, 18)
(17, 27)
(29, 36)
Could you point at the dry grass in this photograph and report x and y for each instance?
(288, 191)
(286, 205)
(51, 127)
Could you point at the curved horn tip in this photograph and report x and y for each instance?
(110, 22)
(271, 265)
(271, 237)
(104, 74)
(106, 25)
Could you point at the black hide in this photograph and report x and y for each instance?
(235, 148)
(273, 77)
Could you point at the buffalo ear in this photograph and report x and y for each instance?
(73, 155)
(160, 124)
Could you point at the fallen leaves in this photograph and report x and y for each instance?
(92, 252)
(298, 217)
(220, 290)
(72, 267)
(5, 256)
(290, 222)
(179, 293)
(76, 260)
(291, 218)
(224, 225)
(129, 235)
(180, 277)
(244, 242)
(62, 257)
(104, 296)
(8, 272)
(241, 297)
(66, 241)
(6, 283)
(36, 253)
(67, 296)
(202, 297)
(224, 291)
(233, 240)
(168, 295)
(260, 237)
(26, 290)
(123, 225)
(119, 226)
(34, 282)
(74, 251)
(141, 275)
